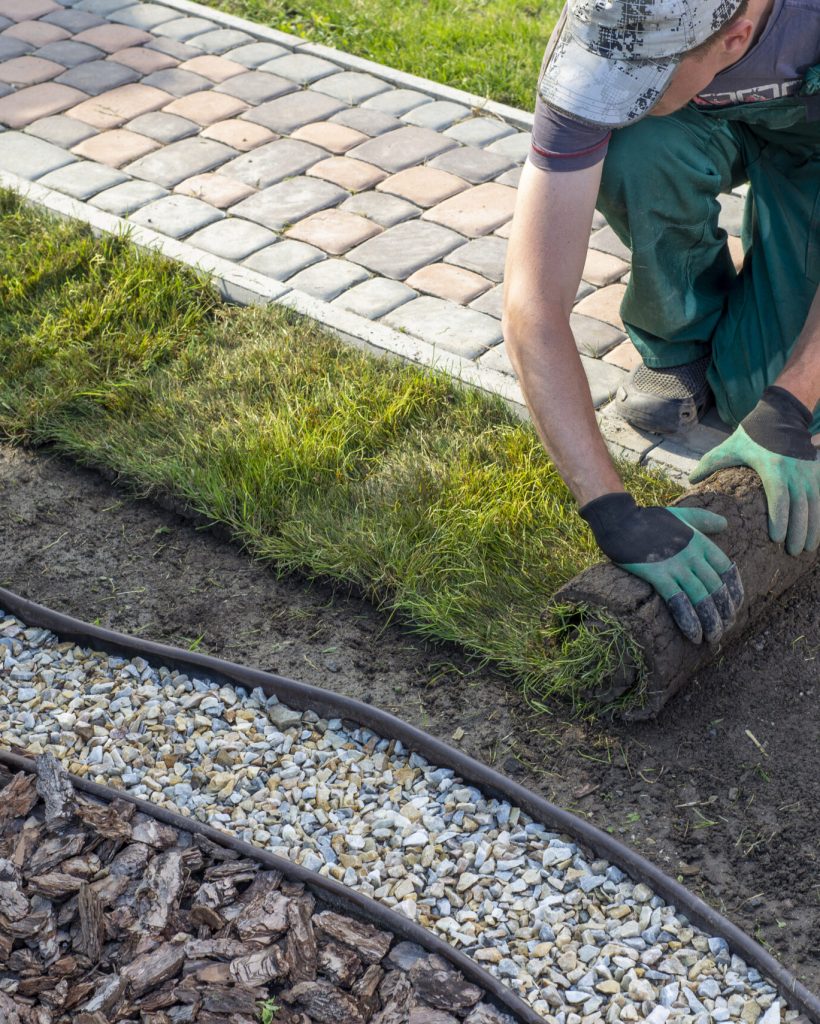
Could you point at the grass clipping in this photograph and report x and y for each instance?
(429, 498)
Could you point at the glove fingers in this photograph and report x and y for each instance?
(813, 530)
(710, 620)
(734, 585)
(798, 519)
(686, 619)
(717, 458)
(698, 586)
(725, 606)
(777, 501)
(701, 519)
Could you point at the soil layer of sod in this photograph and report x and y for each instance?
(721, 791)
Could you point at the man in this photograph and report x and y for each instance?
(732, 90)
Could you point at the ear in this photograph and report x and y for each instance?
(736, 38)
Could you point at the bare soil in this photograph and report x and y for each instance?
(721, 791)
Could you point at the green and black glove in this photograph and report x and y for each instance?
(668, 548)
(775, 441)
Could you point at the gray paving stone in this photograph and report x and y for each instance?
(61, 130)
(328, 279)
(161, 127)
(266, 165)
(98, 76)
(603, 379)
(514, 147)
(380, 207)
(497, 359)
(11, 47)
(101, 7)
(232, 238)
(174, 48)
(466, 332)
(369, 122)
(594, 337)
(173, 164)
(491, 302)
(405, 147)
(144, 16)
(284, 259)
(68, 53)
(30, 157)
(511, 178)
(351, 87)
(397, 101)
(438, 115)
(481, 131)
(7, 22)
(400, 251)
(617, 431)
(176, 216)
(73, 21)
(177, 82)
(254, 55)
(484, 256)
(220, 40)
(289, 201)
(182, 29)
(472, 164)
(731, 213)
(598, 221)
(256, 87)
(605, 240)
(375, 297)
(290, 112)
(128, 197)
(300, 67)
(672, 459)
(584, 289)
(83, 179)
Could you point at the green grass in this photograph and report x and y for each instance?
(492, 48)
(429, 498)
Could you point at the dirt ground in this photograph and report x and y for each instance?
(738, 824)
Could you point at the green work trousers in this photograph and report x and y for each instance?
(661, 179)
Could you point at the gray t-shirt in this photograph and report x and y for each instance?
(774, 67)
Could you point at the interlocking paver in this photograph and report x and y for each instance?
(448, 282)
(284, 259)
(375, 297)
(397, 101)
(601, 269)
(241, 135)
(215, 69)
(216, 189)
(329, 279)
(382, 208)
(731, 213)
(480, 131)
(83, 179)
(232, 238)
(484, 256)
(176, 216)
(511, 177)
(206, 107)
(113, 108)
(98, 76)
(506, 229)
(303, 68)
(173, 48)
(605, 240)
(101, 7)
(254, 55)
(115, 148)
(604, 304)
(17, 10)
(144, 16)
(10, 47)
(351, 86)
(255, 87)
(165, 128)
(172, 164)
(177, 82)
(335, 138)
(344, 171)
(603, 379)
(112, 37)
(221, 40)
(370, 122)
(181, 29)
(491, 302)
(26, 105)
(476, 165)
(497, 359)
(475, 211)
(594, 337)
(424, 186)
(29, 157)
(333, 231)
(61, 130)
(438, 115)
(624, 355)
(128, 197)
(141, 59)
(514, 147)
(266, 165)
(463, 331)
(29, 70)
(289, 201)
(290, 112)
(402, 148)
(400, 251)
(584, 289)
(66, 52)
(38, 33)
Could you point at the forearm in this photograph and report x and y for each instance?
(801, 374)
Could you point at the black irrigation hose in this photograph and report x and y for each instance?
(304, 697)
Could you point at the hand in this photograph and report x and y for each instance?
(774, 440)
(668, 548)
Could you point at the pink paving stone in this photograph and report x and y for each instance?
(29, 70)
(27, 105)
(22, 10)
(424, 186)
(336, 138)
(115, 148)
(113, 108)
(624, 355)
(216, 189)
(505, 230)
(334, 231)
(217, 69)
(448, 282)
(206, 107)
(354, 175)
(38, 33)
(241, 135)
(111, 38)
(601, 269)
(475, 211)
(604, 304)
(141, 59)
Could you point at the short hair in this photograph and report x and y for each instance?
(703, 48)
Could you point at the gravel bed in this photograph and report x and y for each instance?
(573, 936)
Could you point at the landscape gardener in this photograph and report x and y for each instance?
(732, 88)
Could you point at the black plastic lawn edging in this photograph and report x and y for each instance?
(332, 705)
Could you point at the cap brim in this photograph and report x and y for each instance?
(602, 91)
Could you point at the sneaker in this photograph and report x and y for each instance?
(664, 401)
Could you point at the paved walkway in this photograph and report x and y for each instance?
(377, 202)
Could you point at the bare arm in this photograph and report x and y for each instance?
(547, 249)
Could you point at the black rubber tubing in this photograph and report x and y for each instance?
(333, 705)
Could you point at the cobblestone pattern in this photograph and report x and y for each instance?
(387, 196)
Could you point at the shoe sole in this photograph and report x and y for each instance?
(660, 415)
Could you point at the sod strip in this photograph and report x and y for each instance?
(431, 499)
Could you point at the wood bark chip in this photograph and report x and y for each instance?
(300, 950)
(91, 935)
(157, 896)
(152, 969)
(324, 1003)
(56, 791)
(439, 985)
(19, 796)
(339, 963)
(370, 943)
